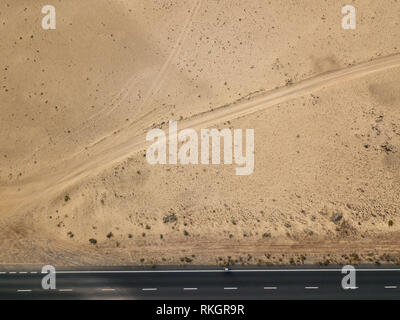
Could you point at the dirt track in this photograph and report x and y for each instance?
(114, 149)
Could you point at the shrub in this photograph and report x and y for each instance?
(93, 241)
(170, 218)
(390, 223)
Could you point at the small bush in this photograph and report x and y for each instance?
(93, 241)
(391, 223)
(170, 218)
(67, 198)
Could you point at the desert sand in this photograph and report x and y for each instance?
(77, 102)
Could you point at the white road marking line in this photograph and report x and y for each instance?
(65, 290)
(12, 272)
(107, 289)
(189, 288)
(217, 271)
(33, 272)
(390, 287)
(270, 288)
(311, 288)
(23, 272)
(230, 288)
(149, 289)
(2, 272)
(24, 290)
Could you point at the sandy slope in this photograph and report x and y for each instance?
(324, 112)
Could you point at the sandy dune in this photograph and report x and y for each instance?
(78, 101)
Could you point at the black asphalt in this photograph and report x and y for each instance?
(235, 285)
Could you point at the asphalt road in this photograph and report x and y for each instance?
(208, 284)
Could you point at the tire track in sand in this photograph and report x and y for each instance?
(119, 147)
(125, 92)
